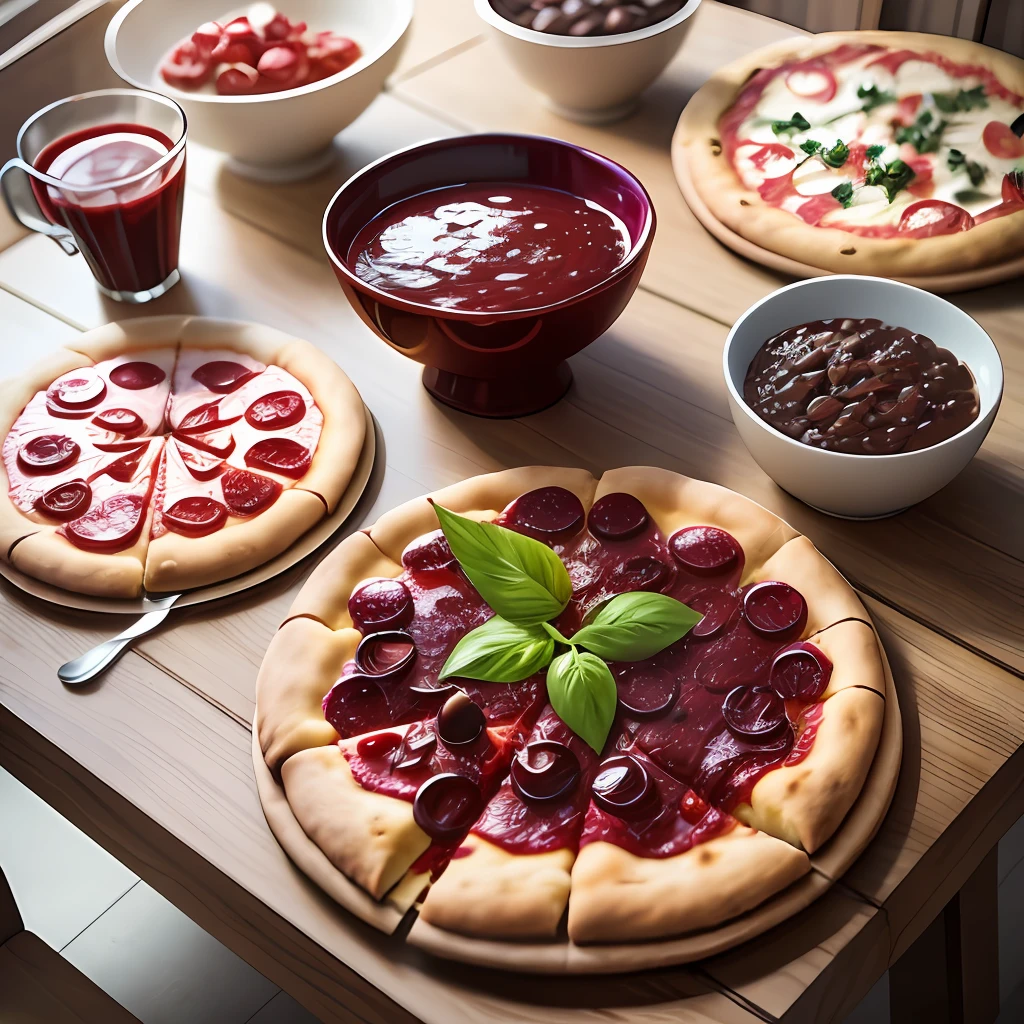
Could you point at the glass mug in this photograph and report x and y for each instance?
(103, 173)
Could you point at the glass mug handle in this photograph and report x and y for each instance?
(17, 190)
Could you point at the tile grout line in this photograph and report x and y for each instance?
(82, 931)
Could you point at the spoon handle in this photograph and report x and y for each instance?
(89, 665)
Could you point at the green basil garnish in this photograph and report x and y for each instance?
(635, 626)
(523, 580)
(873, 97)
(582, 692)
(499, 651)
(874, 152)
(965, 99)
(837, 155)
(843, 194)
(922, 135)
(810, 147)
(892, 178)
(797, 123)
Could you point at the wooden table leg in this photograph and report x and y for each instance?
(950, 975)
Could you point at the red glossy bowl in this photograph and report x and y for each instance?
(506, 364)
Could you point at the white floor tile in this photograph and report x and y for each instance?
(164, 968)
(282, 1009)
(61, 879)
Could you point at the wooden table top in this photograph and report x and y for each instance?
(154, 760)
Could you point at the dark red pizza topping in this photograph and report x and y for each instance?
(379, 605)
(121, 421)
(47, 453)
(195, 516)
(429, 552)
(446, 805)
(623, 787)
(222, 375)
(774, 608)
(65, 501)
(279, 455)
(548, 513)
(415, 753)
(137, 376)
(352, 700)
(77, 391)
(276, 411)
(460, 721)
(800, 672)
(753, 713)
(545, 770)
(112, 525)
(704, 550)
(646, 692)
(388, 653)
(247, 494)
(617, 516)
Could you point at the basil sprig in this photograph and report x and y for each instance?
(797, 123)
(582, 692)
(964, 99)
(526, 584)
(523, 580)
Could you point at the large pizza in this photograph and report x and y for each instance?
(889, 153)
(639, 703)
(171, 452)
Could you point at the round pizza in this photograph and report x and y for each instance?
(888, 153)
(638, 704)
(171, 452)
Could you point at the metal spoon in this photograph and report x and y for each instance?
(89, 665)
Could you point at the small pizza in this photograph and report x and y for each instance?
(169, 453)
(884, 153)
(636, 704)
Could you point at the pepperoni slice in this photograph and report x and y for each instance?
(124, 469)
(64, 413)
(195, 516)
(355, 703)
(82, 389)
(550, 511)
(692, 807)
(47, 453)
(812, 81)
(446, 806)
(276, 411)
(248, 494)
(201, 465)
(643, 572)
(120, 421)
(416, 753)
(280, 455)
(203, 418)
(381, 604)
(617, 516)
(428, 553)
(753, 714)
(800, 672)
(389, 653)
(648, 692)
(716, 606)
(1001, 141)
(137, 376)
(931, 217)
(704, 550)
(545, 770)
(65, 501)
(461, 721)
(623, 786)
(773, 608)
(112, 525)
(219, 443)
(222, 375)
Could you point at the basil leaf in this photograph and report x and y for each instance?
(523, 580)
(843, 194)
(874, 152)
(635, 626)
(553, 633)
(499, 651)
(873, 97)
(810, 147)
(797, 123)
(582, 692)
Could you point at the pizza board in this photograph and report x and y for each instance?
(940, 284)
(560, 956)
(309, 542)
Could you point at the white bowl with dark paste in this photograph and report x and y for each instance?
(879, 401)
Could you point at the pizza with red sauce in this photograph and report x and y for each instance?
(446, 735)
(169, 453)
(885, 153)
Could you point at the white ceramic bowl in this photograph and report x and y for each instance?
(591, 79)
(861, 486)
(276, 136)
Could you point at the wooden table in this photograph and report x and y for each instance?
(154, 760)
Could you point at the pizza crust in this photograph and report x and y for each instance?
(176, 563)
(617, 896)
(134, 335)
(829, 597)
(853, 649)
(742, 210)
(675, 501)
(303, 662)
(479, 497)
(324, 596)
(370, 837)
(493, 893)
(805, 803)
(262, 343)
(344, 427)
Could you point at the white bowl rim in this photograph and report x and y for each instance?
(390, 40)
(981, 422)
(485, 11)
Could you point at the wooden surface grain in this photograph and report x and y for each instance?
(154, 760)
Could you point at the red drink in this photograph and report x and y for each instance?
(128, 233)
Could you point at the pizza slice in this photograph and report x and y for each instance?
(510, 876)
(376, 803)
(656, 860)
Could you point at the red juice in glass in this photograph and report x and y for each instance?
(128, 232)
